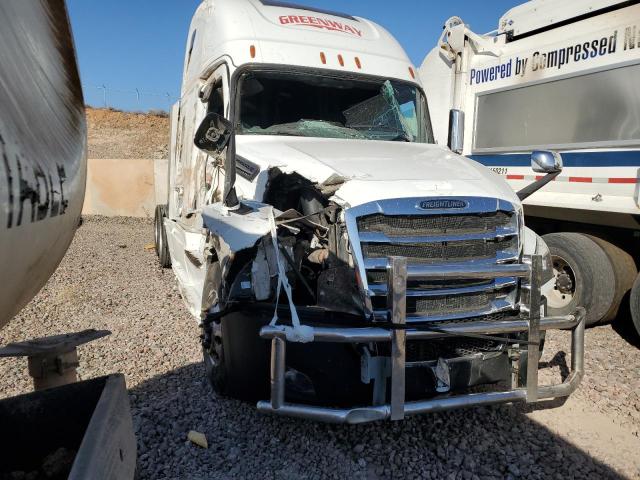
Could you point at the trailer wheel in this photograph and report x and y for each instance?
(635, 304)
(625, 273)
(236, 359)
(584, 276)
(162, 249)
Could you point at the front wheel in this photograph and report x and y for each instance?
(236, 359)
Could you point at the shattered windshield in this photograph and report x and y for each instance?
(314, 105)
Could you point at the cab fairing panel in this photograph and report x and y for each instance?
(437, 77)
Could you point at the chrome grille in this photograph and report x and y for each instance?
(440, 305)
(380, 277)
(485, 231)
(492, 317)
(454, 251)
(395, 226)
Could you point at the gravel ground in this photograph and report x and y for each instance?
(109, 280)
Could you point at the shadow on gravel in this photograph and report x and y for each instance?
(623, 325)
(489, 442)
(559, 360)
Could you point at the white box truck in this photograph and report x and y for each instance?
(563, 76)
(342, 266)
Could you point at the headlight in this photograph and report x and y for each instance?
(547, 263)
(534, 244)
(511, 248)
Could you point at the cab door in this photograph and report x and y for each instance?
(215, 99)
(199, 182)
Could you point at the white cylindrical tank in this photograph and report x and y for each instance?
(42, 147)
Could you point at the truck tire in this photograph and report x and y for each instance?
(162, 249)
(634, 301)
(236, 359)
(584, 276)
(625, 272)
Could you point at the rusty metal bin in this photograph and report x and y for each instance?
(77, 431)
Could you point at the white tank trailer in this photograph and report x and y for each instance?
(79, 430)
(42, 151)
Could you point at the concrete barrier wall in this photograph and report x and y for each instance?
(125, 187)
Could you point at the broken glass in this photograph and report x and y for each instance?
(380, 117)
(328, 106)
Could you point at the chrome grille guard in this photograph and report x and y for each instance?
(397, 408)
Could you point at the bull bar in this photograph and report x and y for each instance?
(397, 408)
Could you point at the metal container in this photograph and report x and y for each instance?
(78, 431)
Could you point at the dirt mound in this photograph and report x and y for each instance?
(116, 134)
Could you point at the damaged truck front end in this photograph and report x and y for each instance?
(391, 308)
(343, 267)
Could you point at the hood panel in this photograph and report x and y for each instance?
(374, 169)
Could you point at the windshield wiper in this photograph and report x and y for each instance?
(402, 136)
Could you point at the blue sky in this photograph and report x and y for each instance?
(126, 45)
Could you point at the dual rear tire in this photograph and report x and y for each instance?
(634, 303)
(160, 236)
(589, 272)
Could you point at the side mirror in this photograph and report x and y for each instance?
(213, 134)
(544, 161)
(456, 131)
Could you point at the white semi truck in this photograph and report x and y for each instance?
(342, 266)
(563, 76)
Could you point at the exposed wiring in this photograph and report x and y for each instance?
(291, 263)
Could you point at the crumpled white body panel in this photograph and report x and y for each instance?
(372, 170)
(238, 231)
